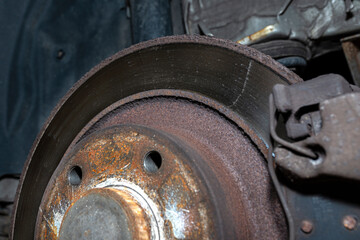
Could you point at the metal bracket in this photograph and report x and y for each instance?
(327, 112)
(330, 108)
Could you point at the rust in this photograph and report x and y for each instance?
(193, 119)
(138, 220)
(351, 48)
(113, 159)
(236, 77)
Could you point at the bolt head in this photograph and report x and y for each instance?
(307, 226)
(349, 222)
(60, 54)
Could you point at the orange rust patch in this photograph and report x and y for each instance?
(119, 154)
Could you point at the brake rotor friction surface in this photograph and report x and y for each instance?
(237, 78)
(228, 154)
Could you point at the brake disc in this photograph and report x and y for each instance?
(164, 140)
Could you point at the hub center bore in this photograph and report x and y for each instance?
(105, 214)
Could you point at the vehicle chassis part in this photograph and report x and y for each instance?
(156, 90)
(317, 204)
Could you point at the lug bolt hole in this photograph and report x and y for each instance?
(75, 175)
(152, 161)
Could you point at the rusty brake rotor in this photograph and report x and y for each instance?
(164, 140)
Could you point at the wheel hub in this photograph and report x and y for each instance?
(141, 179)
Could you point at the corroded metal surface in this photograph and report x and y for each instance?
(351, 47)
(237, 191)
(102, 213)
(229, 153)
(169, 203)
(238, 79)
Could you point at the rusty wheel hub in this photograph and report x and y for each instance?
(135, 183)
(155, 144)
